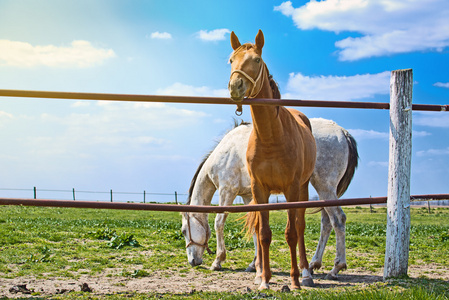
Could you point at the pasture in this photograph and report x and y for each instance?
(141, 255)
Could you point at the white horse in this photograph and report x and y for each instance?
(225, 169)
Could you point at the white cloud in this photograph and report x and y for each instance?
(387, 27)
(213, 35)
(179, 89)
(80, 104)
(80, 54)
(383, 164)
(420, 133)
(442, 84)
(5, 117)
(433, 152)
(362, 134)
(431, 119)
(161, 35)
(337, 87)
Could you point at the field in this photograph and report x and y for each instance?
(52, 252)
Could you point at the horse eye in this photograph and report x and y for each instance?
(257, 60)
(231, 61)
(184, 232)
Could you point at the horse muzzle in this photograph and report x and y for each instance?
(195, 262)
(237, 89)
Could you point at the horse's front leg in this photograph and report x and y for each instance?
(221, 248)
(263, 233)
(227, 196)
(264, 238)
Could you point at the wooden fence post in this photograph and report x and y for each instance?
(398, 203)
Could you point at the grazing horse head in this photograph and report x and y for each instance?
(248, 70)
(196, 231)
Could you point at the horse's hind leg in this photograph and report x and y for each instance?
(338, 220)
(291, 237)
(301, 225)
(325, 231)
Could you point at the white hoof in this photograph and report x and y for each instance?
(264, 286)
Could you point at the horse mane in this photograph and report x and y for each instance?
(192, 183)
(274, 87)
(195, 177)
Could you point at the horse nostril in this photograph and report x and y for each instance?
(195, 262)
(240, 84)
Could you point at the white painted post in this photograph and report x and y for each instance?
(398, 203)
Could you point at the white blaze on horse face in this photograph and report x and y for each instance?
(198, 236)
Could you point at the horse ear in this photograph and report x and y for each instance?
(260, 41)
(235, 43)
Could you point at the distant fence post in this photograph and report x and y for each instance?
(73, 193)
(35, 192)
(111, 195)
(176, 197)
(144, 194)
(398, 203)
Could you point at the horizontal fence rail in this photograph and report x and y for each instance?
(210, 100)
(209, 209)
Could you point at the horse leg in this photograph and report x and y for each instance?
(301, 225)
(226, 199)
(264, 238)
(291, 237)
(338, 220)
(263, 233)
(221, 248)
(325, 231)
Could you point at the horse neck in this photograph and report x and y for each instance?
(204, 189)
(266, 122)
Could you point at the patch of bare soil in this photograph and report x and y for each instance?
(171, 281)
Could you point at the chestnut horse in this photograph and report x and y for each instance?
(281, 157)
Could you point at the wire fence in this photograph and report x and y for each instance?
(114, 196)
(110, 195)
(148, 197)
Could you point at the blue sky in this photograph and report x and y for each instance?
(325, 50)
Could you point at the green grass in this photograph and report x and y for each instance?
(64, 242)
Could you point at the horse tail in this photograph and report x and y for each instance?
(353, 159)
(251, 222)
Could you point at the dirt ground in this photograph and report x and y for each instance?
(170, 281)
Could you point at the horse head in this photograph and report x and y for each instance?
(247, 68)
(196, 231)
